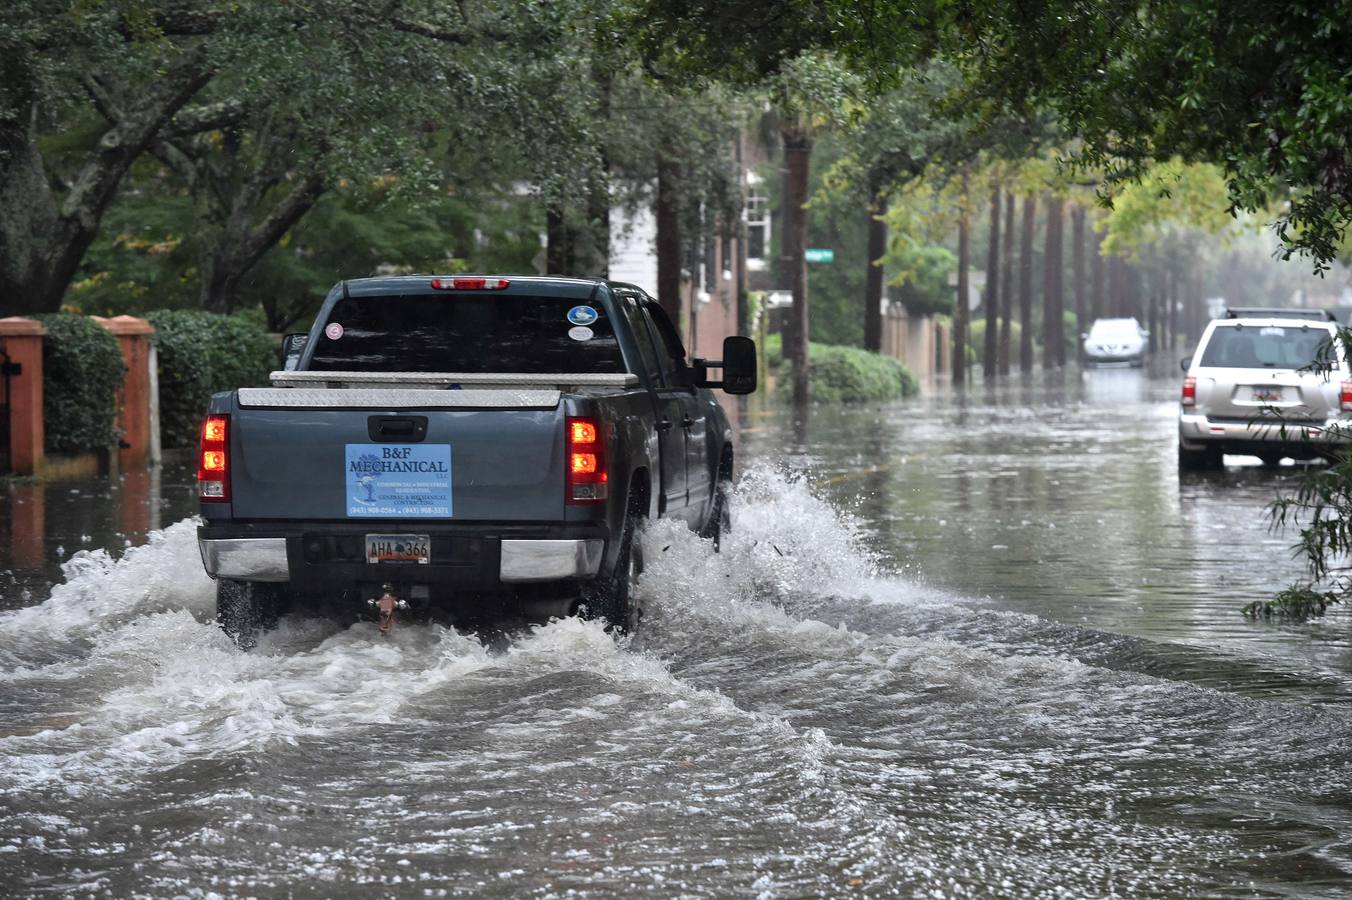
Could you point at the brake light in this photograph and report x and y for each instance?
(213, 460)
(1189, 397)
(1345, 397)
(469, 284)
(587, 478)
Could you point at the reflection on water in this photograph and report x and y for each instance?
(1060, 495)
(43, 524)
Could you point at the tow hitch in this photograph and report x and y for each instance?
(385, 606)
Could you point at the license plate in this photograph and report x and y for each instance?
(398, 548)
(1267, 394)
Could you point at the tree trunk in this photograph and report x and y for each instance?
(1007, 281)
(960, 307)
(873, 280)
(1026, 284)
(28, 223)
(1114, 308)
(230, 252)
(668, 240)
(42, 240)
(743, 304)
(1096, 276)
(1053, 344)
(556, 242)
(797, 162)
(1077, 266)
(990, 361)
(1051, 262)
(596, 254)
(1170, 309)
(1154, 322)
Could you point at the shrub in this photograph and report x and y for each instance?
(976, 341)
(81, 373)
(199, 354)
(851, 375)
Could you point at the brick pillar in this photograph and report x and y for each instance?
(21, 339)
(133, 400)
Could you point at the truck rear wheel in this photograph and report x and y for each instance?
(611, 596)
(247, 609)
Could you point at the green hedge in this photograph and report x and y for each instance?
(199, 354)
(976, 340)
(81, 372)
(850, 375)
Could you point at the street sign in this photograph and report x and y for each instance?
(819, 255)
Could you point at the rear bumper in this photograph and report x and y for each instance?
(1196, 431)
(332, 557)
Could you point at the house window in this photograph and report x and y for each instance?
(757, 226)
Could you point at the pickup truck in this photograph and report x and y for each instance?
(468, 446)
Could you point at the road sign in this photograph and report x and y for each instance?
(819, 255)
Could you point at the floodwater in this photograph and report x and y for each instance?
(984, 644)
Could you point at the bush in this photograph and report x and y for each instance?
(82, 371)
(199, 354)
(851, 375)
(976, 341)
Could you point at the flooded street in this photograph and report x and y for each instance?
(976, 645)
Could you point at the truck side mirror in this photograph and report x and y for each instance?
(738, 365)
(292, 347)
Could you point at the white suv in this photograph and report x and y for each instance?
(1269, 383)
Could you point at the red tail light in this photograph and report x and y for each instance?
(587, 479)
(1189, 397)
(469, 284)
(1345, 397)
(213, 461)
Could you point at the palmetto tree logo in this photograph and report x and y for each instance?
(368, 469)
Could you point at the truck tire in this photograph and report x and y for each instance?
(246, 609)
(1198, 460)
(611, 595)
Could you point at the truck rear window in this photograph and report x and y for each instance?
(1269, 347)
(468, 333)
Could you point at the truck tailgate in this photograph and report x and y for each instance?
(317, 462)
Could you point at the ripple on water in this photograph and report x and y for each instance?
(791, 720)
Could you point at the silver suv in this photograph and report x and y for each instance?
(1269, 383)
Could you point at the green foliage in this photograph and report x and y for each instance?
(851, 375)
(835, 289)
(1295, 603)
(1321, 509)
(923, 279)
(1259, 88)
(202, 353)
(82, 372)
(774, 350)
(976, 339)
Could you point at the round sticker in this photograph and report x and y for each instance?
(333, 331)
(582, 315)
(581, 333)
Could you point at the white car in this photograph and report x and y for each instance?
(1269, 383)
(1115, 341)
